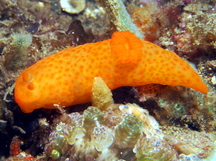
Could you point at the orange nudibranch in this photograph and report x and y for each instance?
(66, 78)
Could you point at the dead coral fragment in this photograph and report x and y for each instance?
(73, 6)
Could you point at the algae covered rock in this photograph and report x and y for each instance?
(117, 132)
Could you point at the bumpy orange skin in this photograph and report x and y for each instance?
(66, 78)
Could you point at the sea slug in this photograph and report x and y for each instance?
(66, 78)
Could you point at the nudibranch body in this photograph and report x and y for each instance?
(66, 78)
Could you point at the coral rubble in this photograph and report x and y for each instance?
(73, 6)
